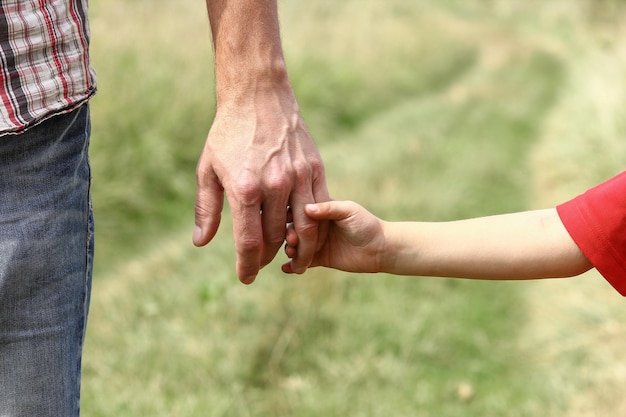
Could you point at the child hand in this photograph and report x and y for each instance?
(355, 240)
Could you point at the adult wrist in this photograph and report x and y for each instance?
(239, 85)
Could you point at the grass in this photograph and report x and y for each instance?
(421, 109)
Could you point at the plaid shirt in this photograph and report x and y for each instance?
(44, 61)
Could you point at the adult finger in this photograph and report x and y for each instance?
(245, 200)
(307, 229)
(311, 234)
(248, 234)
(320, 193)
(273, 220)
(208, 206)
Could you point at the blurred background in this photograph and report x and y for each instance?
(422, 109)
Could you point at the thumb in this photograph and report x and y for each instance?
(208, 208)
(330, 210)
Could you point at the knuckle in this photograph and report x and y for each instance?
(306, 230)
(317, 166)
(249, 244)
(309, 171)
(246, 188)
(277, 182)
(201, 211)
(303, 168)
(202, 173)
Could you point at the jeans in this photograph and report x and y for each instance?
(46, 255)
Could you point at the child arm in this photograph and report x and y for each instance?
(525, 245)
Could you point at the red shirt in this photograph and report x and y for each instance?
(44, 60)
(596, 220)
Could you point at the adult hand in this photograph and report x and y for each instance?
(260, 153)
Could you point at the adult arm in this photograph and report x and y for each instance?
(258, 151)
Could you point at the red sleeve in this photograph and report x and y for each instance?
(596, 220)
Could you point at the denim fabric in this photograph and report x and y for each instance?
(46, 254)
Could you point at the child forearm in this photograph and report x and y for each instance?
(526, 245)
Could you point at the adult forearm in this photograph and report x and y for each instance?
(526, 245)
(248, 52)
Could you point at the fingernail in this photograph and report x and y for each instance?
(197, 234)
(247, 280)
(312, 208)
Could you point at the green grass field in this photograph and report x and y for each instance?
(428, 110)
